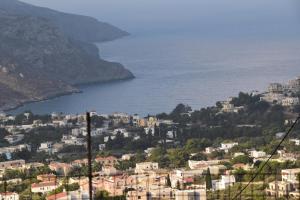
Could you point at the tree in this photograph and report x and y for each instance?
(179, 114)
(199, 156)
(241, 159)
(168, 181)
(125, 164)
(159, 155)
(72, 187)
(177, 185)
(208, 180)
(97, 121)
(195, 145)
(139, 157)
(100, 195)
(177, 157)
(219, 105)
(162, 116)
(181, 108)
(3, 133)
(296, 109)
(239, 174)
(245, 99)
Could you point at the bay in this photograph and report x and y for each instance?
(180, 68)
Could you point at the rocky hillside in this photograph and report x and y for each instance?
(39, 59)
(76, 26)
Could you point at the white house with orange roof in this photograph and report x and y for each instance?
(74, 195)
(44, 187)
(13, 164)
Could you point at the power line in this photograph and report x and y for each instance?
(265, 163)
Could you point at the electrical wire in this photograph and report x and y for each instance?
(265, 163)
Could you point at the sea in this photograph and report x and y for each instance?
(195, 61)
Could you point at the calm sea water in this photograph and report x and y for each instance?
(180, 68)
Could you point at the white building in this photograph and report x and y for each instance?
(290, 101)
(294, 85)
(43, 187)
(136, 137)
(9, 196)
(280, 135)
(149, 150)
(109, 170)
(149, 130)
(11, 118)
(228, 107)
(102, 147)
(76, 131)
(12, 139)
(209, 150)
(157, 192)
(290, 175)
(121, 131)
(12, 149)
(197, 194)
(14, 164)
(59, 123)
(97, 132)
(2, 115)
(127, 156)
(238, 154)
(279, 189)
(145, 166)
(257, 154)
(135, 120)
(224, 182)
(45, 147)
(227, 146)
(70, 195)
(296, 141)
(170, 134)
(73, 140)
(195, 164)
(275, 88)
(273, 98)
(106, 138)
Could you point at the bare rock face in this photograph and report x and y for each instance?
(40, 59)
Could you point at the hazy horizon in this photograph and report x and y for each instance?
(225, 18)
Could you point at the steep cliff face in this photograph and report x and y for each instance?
(39, 60)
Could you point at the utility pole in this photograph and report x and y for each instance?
(89, 148)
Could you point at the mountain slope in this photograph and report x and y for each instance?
(79, 27)
(38, 60)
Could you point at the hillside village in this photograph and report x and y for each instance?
(186, 154)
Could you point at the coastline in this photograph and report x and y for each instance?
(77, 91)
(9, 108)
(21, 104)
